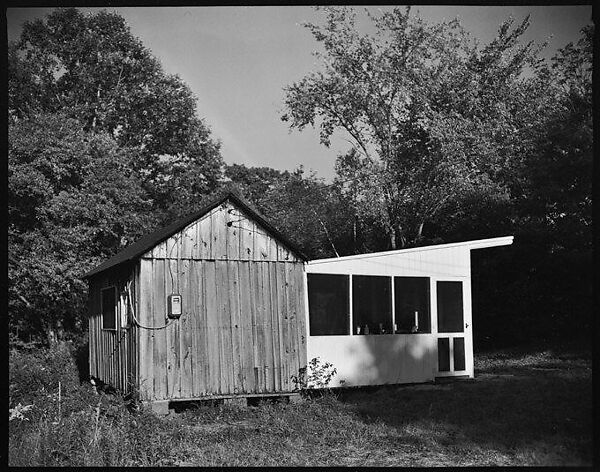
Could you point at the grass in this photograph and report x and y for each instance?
(523, 408)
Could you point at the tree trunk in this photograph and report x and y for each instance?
(55, 334)
(354, 234)
(420, 231)
(393, 237)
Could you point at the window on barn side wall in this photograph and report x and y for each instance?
(108, 307)
(411, 303)
(450, 307)
(328, 306)
(371, 304)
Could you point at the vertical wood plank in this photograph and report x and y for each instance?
(194, 234)
(159, 335)
(248, 336)
(283, 328)
(300, 314)
(172, 349)
(256, 335)
(267, 322)
(188, 239)
(232, 230)
(259, 323)
(185, 329)
(273, 248)
(236, 326)
(292, 304)
(283, 255)
(275, 326)
(203, 235)
(193, 307)
(201, 354)
(246, 237)
(160, 250)
(261, 243)
(224, 314)
(118, 335)
(213, 328)
(207, 332)
(219, 233)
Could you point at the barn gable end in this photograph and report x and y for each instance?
(227, 232)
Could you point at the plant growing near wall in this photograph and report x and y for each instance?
(316, 375)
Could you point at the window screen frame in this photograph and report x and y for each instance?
(464, 308)
(115, 307)
(348, 306)
(372, 330)
(428, 297)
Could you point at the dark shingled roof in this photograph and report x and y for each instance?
(147, 242)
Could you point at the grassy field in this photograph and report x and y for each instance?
(523, 408)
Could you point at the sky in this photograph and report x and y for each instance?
(237, 61)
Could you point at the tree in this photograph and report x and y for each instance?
(313, 214)
(254, 182)
(104, 146)
(91, 68)
(429, 114)
(73, 200)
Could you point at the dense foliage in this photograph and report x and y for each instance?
(456, 141)
(451, 140)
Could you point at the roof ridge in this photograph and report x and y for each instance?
(149, 240)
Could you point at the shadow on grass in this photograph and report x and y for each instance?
(536, 407)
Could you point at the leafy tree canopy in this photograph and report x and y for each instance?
(104, 146)
(431, 115)
(90, 67)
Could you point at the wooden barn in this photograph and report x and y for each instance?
(393, 317)
(221, 305)
(212, 306)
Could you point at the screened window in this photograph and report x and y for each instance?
(108, 308)
(328, 305)
(411, 300)
(371, 304)
(450, 307)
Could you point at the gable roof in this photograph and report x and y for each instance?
(147, 242)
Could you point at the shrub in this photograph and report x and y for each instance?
(316, 375)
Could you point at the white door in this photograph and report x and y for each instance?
(453, 335)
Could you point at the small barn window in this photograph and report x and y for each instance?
(328, 304)
(108, 305)
(411, 302)
(450, 307)
(372, 304)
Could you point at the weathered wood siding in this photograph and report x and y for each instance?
(242, 329)
(112, 353)
(224, 233)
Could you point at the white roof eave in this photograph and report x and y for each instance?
(475, 244)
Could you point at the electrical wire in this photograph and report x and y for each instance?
(169, 261)
(133, 312)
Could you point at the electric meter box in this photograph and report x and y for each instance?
(174, 305)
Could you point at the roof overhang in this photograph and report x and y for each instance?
(475, 244)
